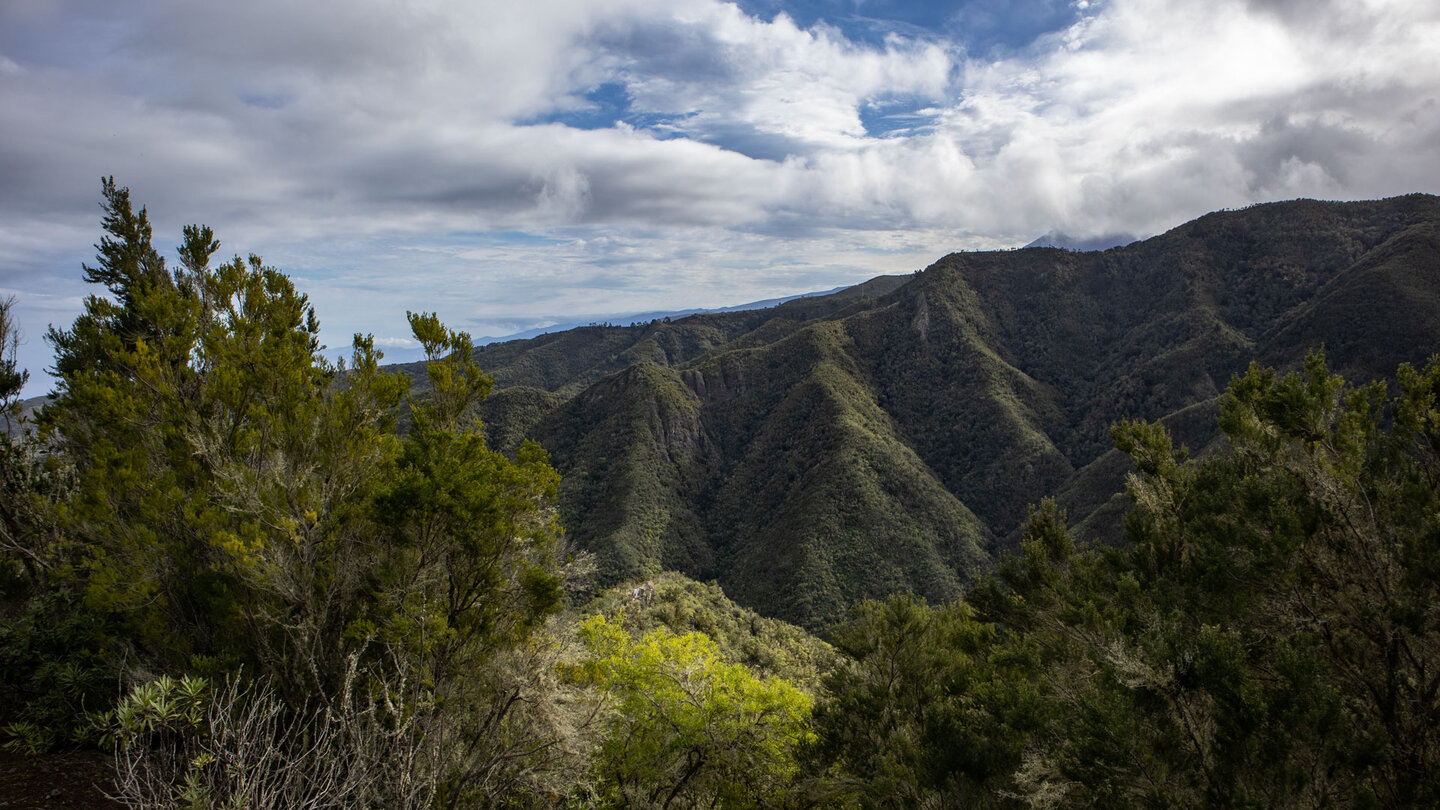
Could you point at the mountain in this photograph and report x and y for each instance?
(893, 435)
(1059, 239)
(642, 317)
(26, 421)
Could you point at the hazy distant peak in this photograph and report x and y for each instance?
(675, 314)
(1056, 239)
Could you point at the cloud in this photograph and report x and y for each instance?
(725, 72)
(393, 155)
(1155, 111)
(400, 119)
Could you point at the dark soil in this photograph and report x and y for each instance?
(74, 780)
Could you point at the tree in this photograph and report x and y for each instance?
(223, 463)
(930, 708)
(685, 727)
(52, 665)
(1270, 637)
(243, 501)
(472, 570)
(12, 376)
(22, 476)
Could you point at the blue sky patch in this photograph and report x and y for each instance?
(609, 104)
(981, 26)
(897, 115)
(605, 105)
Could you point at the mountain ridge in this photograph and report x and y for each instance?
(893, 436)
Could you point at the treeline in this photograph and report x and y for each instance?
(223, 560)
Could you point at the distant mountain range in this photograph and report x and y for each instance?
(893, 435)
(641, 317)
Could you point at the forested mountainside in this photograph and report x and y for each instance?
(894, 435)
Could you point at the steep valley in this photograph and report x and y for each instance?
(893, 436)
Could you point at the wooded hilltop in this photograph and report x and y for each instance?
(1157, 526)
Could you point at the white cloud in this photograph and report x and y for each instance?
(720, 68)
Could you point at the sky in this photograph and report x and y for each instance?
(513, 165)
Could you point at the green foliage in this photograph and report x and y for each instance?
(30, 482)
(164, 706)
(221, 459)
(931, 707)
(1268, 638)
(770, 648)
(239, 500)
(12, 376)
(686, 727)
(471, 570)
(56, 662)
(52, 666)
(469, 526)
